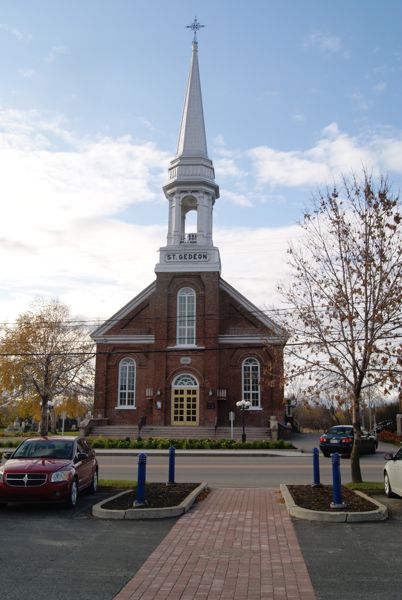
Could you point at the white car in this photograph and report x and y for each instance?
(393, 474)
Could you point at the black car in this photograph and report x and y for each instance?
(339, 438)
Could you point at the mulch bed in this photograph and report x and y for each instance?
(320, 498)
(157, 495)
(160, 495)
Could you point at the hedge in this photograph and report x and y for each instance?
(187, 444)
(179, 444)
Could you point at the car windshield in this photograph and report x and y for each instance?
(45, 449)
(340, 431)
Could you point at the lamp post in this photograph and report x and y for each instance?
(243, 405)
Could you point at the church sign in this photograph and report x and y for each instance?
(189, 256)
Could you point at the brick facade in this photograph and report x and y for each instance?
(227, 332)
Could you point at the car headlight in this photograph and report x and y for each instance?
(1, 474)
(60, 476)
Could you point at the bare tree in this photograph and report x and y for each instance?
(45, 355)
(345, 295)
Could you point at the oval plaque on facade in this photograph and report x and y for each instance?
(185, 360)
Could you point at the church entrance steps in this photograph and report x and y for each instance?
(168, 432)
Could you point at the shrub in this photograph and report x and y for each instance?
(187, 444)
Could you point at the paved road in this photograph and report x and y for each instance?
(49, 552)
(235, 470)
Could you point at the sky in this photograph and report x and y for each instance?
(296, 93)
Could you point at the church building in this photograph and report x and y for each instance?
(189, 346)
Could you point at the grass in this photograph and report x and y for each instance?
(117, 483)
(366, 485)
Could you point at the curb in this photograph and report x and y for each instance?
(181, 452)
(147, 513)
(378, 514)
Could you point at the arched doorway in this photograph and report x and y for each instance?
(185, 400)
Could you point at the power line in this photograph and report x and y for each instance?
(183, 349)
(110, 321)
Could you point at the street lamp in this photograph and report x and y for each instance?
(243, 405)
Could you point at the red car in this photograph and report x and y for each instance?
(48, 469)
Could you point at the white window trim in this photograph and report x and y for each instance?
(127, 406)
(188, 328)
(257, 407)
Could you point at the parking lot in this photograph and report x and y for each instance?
(53, 552)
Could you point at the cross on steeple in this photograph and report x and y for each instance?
(195, 26)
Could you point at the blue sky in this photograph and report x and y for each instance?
(91, 94)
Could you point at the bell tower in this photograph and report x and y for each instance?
(191, 188)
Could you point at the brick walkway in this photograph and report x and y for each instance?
(238, 544)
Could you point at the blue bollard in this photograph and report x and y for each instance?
(141, 478)
(336, 483)
(171, 465)
(316, 468)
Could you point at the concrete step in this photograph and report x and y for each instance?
(169, 432)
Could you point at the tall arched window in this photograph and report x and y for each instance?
(251, 381)
(186, 317)
(127, 372)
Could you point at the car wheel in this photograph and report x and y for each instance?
(73, 494)
(326, 454)
(94, 483)
(373, 448)
(387, 487)
(3, 505)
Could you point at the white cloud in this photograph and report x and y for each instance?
(56, 178)
(60, 199)
(236, 198)
(27, 73)
(327, 43)
(390, 153)
(254, 260)
(55, 52)
(380, 87)
(290, 169)
(360, 101)
(226, 167)
(17, 33)
(335, 153)
(299, 117)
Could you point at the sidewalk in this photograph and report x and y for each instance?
(237, 544)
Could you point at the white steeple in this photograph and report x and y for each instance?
(191, 187)
(192, 138)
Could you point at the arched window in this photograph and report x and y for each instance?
(185, 317)
(185, 380)
(126, 395)
(251, 381)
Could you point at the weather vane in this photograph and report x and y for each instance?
(195, 26)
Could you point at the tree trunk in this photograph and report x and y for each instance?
(44, 421)
(44, 425)
(355, 456)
